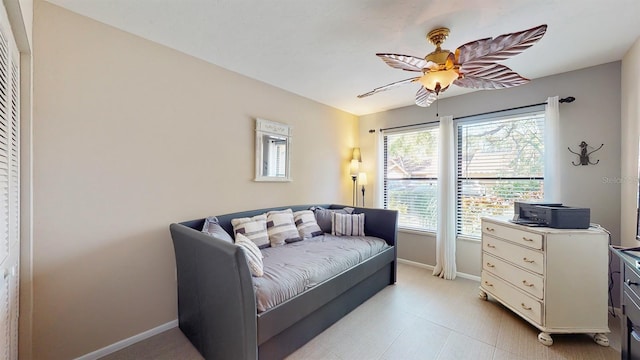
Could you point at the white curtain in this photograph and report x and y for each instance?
(551, 150)
(446, 234)
(378, 199)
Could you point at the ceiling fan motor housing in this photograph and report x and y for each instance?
(438, 56)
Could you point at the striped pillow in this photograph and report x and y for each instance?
(306, 223)
(255, 229)
(252, 253)
(347, 224)
(281, 228)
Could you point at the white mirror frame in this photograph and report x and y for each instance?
(266, 128)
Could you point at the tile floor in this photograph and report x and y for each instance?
(421, 317)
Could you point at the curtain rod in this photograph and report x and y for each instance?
(568, 99)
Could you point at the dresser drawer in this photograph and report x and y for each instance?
(631, 281)
(518, 255)
(523, 304)
(522, 279)
(524, 238)
(631, 308)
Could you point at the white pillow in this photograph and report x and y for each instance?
(254, 228)
(281, 228)
(347, 224)
(252, 253)
(306, 223)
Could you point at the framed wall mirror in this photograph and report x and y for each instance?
(273, 151)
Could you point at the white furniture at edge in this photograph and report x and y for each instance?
(555, 279)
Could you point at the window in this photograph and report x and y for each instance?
(500, 161)
(410, 176)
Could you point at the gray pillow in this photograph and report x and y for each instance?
(212, 227)
(323, 216)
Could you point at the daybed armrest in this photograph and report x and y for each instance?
(217, 307)
(381, 223)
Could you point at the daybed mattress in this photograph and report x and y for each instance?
(293, 268)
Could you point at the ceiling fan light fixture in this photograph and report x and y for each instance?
(438, 81)
(473, 65)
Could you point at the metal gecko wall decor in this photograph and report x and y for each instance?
(584, 154)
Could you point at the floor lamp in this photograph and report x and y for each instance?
(356, 159)
(355, 165)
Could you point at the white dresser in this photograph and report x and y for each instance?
(555, 279)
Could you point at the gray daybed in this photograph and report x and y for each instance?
(217, 303)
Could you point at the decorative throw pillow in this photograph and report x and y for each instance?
(323, 216)
(252, 253)
(306, 223)
(347, 224)
(212, 227)
(255, 229)
(281, 228)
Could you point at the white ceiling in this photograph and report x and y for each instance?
(325, 49)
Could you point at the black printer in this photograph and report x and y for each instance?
(551, 215)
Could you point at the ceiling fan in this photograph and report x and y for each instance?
(472, 65)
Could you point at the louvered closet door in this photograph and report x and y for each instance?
(9, 190)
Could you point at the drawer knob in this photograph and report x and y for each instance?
(527, 260)
(525, 306)
(490, 229)
(526, 238)
(525, 283)
(490, 265)
(488, 283)
(491, 246)
(629, 282)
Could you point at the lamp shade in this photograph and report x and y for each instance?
(362, 178)
(445, 78)
(354, 167)
(356, 154)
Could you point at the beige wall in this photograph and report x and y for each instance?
(130, 136)
(629, 143)
(593, 117)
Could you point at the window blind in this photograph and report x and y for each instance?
(410, 177)
(499, 161)
(5, 144)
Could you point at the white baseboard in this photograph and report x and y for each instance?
(127, 342)
(431, 267)
(174, 323)
(416, 264)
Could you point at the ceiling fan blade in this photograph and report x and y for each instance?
(494, 77)
(406, 62)
(500, 48)
(389, 86)
(425, 97)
